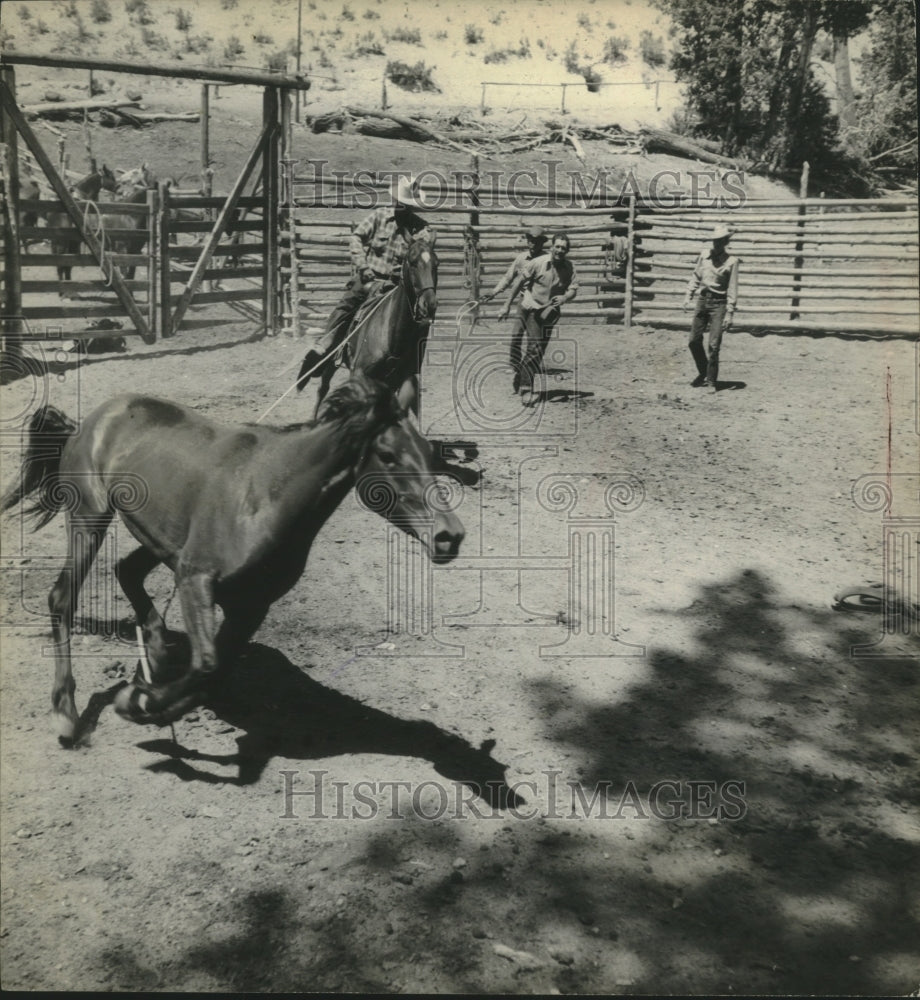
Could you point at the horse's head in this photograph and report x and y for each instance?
(88, 187)
(397, 479)
(132, 183)
(420, 279)
(109, 180)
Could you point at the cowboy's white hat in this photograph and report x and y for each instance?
(407, 192)
(721, 233)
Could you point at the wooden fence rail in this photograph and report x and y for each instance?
(810, 264)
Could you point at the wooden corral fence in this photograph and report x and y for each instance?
(807, 264)
(479, 232)
(172, 276)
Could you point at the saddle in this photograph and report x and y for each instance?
(377, 289)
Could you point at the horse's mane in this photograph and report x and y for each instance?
(358, 407)
(356, 397)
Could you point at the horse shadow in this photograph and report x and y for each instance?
(450, 453)
(285, 713)
(563, 395)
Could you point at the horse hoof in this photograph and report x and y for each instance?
(131, 703)
(66, 730)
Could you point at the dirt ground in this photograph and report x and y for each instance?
(248, 855)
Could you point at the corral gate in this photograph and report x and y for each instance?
(151, 305)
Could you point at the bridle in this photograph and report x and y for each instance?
(413, 294)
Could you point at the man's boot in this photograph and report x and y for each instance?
(311, 359)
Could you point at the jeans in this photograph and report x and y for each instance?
(709, 315)
(516, 351)
(356, 292)
(538, 325)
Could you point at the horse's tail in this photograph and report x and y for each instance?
(49, 430)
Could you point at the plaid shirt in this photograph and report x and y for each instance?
(380, 241)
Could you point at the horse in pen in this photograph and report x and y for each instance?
(86, 192)
(232, 511)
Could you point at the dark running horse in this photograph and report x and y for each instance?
(389, 344)
(85, 190)
(232, 511)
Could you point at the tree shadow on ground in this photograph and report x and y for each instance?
(285, 713)
(807, 892)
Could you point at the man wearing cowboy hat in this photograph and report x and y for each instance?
(716, 278)
(536, 241)
(378, 247)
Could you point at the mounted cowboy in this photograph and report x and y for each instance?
(378, 248)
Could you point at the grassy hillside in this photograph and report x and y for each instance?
(346, 47)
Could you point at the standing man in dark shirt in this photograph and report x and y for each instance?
(716, 278)
(548, 282)
(378, 248)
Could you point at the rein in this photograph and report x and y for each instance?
(324, 360)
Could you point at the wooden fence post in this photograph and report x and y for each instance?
(153, 257)
(475, 281)
(12, 301)
(270, 115)
(165, 289)
(630, 260)
(291, 271)
(563, 85)
(800, 243)
(286, 199)
(205, 140)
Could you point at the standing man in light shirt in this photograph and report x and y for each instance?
(715, 277)
(548, 282)
(536, 241)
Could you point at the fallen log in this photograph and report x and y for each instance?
(384, 130)
(323, 123)
(424, 133)
(659, 141)
(68, 108)
(164, 116)
(118, 116)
